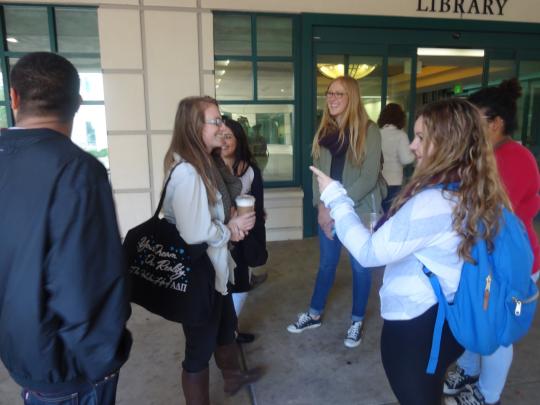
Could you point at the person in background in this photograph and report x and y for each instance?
(251, 251)
(395, 149)
(199, 200)
(63, 280)
(347, 146)
(479, 380)
(454, 196)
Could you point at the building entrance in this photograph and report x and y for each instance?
(413, 67)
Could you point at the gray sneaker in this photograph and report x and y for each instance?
(457, 380)
(354, 335)
(305, 321)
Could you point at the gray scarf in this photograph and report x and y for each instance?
(228, 185)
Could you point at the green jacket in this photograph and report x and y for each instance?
(361, 182)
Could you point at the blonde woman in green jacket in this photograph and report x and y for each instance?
(347, 147)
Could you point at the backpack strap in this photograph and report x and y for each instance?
(439, 322)
(441, 309)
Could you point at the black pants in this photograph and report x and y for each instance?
(202, 340)
(405, 349)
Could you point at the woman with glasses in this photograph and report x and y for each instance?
(347, 147)
(199, 200)
(251, 251)
(479, 380)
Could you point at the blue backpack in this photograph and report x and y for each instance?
(496, 298)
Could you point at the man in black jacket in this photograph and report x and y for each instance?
(63, 297)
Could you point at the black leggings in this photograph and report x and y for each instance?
(405, 349)
(201, 340)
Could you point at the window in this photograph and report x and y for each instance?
(255, 74)
(73, 33)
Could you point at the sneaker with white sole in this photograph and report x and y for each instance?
(305, 321)
(354, 335)
(457, 380)
(470, 395)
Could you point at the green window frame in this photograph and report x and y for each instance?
(255, 59)
(54, 21)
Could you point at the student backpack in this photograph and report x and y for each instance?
(496, 298)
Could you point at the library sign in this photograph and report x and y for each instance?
(461, 7)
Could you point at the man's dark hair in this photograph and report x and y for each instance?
(47, 84)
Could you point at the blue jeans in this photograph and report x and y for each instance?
(330, 252)
(493, 370)
(100, 393)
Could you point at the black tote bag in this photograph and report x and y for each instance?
(169, 277)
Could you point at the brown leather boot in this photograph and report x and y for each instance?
(233, 376)
(195, 386)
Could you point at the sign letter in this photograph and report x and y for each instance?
(487, 6)
(420, 6)
(501, 4)
(445, 6)
(474, 5)
(458, 7)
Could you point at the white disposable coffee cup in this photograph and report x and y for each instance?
(245, 203)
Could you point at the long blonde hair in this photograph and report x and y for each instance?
(187, 141)
(460, 151)
(355, 119)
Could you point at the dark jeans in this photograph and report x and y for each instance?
(202, 340)
(405, 349)
(100, 393)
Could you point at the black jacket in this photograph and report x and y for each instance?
(63, 298)
(251, 251)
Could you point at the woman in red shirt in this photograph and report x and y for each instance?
(480, 379)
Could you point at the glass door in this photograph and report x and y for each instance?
(529, 77)
(447, 72)
(412, 64)
(366, 69)
(384, 75)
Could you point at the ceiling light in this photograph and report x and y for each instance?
(12, 39)
(471, 53)
(220, 72)
(356, 70)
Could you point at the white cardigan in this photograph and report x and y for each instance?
(396, 154)
(186, 205)
(420, 233)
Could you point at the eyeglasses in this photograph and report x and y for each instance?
(227, 136)
(216, 121)
(335, 94)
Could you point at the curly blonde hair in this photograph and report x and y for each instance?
(456, 149)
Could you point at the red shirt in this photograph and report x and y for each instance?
(519, 173)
